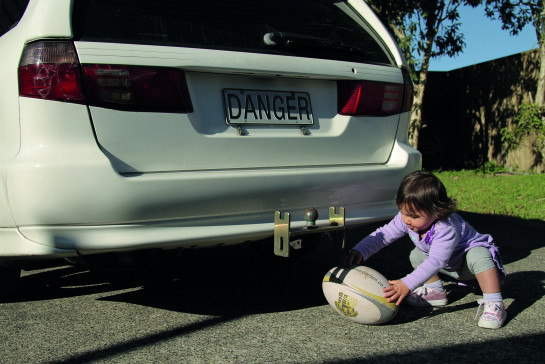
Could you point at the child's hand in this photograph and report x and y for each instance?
(396, 291)
(353, 257)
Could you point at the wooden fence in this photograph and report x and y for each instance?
(465, 109)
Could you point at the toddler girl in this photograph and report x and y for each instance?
(444, 243)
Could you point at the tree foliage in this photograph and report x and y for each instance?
(527, 126)
(515, 15)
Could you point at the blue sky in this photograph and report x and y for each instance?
(485, 40)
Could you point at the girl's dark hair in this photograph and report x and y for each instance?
(423, 191)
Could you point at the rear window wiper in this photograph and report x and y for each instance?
(297, 41)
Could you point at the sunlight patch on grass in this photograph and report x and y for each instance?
(518, 195)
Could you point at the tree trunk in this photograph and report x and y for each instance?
(540, 93)
(416, 115)
(420, 88)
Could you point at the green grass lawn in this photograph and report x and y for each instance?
(518, 195)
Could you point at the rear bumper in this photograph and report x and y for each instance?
(88, 208)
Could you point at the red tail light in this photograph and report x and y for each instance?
(371, 98)
(50, 70)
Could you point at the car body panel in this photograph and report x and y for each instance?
(235, 219)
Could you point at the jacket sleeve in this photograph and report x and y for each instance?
(381, 237)
(444, 242)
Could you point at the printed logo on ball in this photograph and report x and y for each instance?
(346, 305)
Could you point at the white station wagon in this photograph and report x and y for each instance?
(127, 126)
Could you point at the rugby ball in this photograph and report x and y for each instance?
(356, 293)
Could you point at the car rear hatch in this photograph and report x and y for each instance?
(215, 85)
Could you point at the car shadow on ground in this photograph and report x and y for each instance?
(221, 281)
(233, 281)
(238, 280)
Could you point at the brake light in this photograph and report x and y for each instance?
(50, 70)
(371, 98)
(137, 88)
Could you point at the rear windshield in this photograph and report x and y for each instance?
(305, 28)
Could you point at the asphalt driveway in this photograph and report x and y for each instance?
(231, 305)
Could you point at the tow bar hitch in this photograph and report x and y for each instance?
(286, 237)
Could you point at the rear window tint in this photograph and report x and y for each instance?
(304, 28)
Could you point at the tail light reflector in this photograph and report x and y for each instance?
(408, 91)
(50, 70)
(371, 98)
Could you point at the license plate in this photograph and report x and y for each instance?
(267, 107)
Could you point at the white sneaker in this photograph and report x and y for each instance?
(426, 296)
(494, 314)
